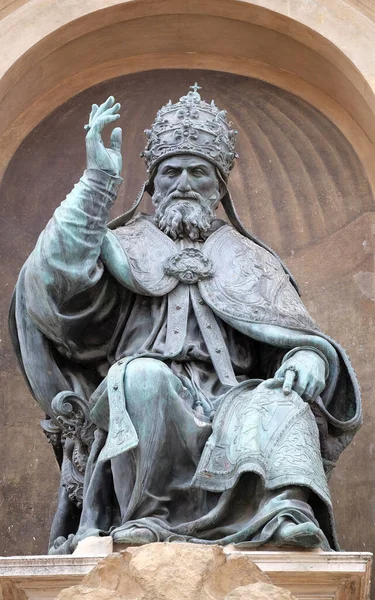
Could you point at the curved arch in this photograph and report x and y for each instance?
(68, 46)
(296, 172)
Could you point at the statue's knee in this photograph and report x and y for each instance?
(145, 373)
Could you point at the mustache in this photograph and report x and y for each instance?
(186, 195)
(179, 196)
(183, 214)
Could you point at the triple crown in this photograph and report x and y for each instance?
(191, 126)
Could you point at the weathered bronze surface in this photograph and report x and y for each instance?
(189, 395)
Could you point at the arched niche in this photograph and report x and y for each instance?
(67, 47)
(297, 181)
(298, 184)
(309, 51)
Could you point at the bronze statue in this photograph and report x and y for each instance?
(189, 396)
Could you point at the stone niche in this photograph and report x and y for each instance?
(298, 185)
(176, 571)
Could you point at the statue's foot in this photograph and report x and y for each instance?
(305, 535)
(134, 536)
(62, 545)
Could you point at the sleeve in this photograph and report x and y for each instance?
(69, 295)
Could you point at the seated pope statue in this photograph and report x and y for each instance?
(188, 394)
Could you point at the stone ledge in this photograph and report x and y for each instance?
(307, 575)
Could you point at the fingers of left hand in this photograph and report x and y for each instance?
(310, 390)
(289, 379)
(310, 394)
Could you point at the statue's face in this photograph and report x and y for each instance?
(188, 173)
(187, 192)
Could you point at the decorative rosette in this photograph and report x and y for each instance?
(189, 266)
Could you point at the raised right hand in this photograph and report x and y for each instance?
(99, 157)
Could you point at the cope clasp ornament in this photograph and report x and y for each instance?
(189, 266)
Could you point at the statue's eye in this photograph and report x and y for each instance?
(199, 172)
(171, 172)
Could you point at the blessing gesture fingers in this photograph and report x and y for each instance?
(99, 157)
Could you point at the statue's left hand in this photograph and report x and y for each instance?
(99, 157)
(305, 373)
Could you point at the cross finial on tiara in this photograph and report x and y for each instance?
(195, 87)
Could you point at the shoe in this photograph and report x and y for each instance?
(305, 535)
(62, 545)
(135, 536)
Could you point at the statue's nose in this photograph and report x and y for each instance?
(183, 182)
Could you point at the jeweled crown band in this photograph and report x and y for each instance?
(191, 126)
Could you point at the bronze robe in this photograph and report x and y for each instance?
(232, 458)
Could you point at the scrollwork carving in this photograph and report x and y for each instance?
(71, 425)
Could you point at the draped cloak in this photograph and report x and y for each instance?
(220, 315)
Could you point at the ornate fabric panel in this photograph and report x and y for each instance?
(250, 284)
(260, 430)
(147, 249)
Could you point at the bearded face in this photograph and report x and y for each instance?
(187, 192)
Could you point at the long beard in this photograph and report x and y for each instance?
(180, 216)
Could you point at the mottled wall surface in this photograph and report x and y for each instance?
(298, 185)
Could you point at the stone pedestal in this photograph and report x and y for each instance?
(217, 573)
